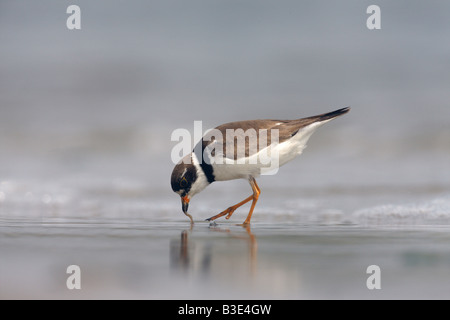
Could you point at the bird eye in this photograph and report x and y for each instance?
(183, 182)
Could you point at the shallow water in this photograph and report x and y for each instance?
(296, 250)
(270, 261)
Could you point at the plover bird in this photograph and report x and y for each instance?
(219, 156)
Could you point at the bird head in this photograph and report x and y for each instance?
(184, 182)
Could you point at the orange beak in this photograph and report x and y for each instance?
(185, 203)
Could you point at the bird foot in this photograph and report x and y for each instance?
(229, 212)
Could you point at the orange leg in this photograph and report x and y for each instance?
(256, 193)
(230, 210)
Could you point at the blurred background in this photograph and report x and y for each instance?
(86, 115)
(105, 99)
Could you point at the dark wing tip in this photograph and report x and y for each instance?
(333, 114)
(338, 112)
(344, 110)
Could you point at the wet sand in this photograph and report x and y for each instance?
(169, 260)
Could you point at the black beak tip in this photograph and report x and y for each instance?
(185, 207)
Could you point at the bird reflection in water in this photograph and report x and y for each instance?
(192, 256)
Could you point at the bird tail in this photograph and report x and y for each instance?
(321, 118)
(330, 115)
